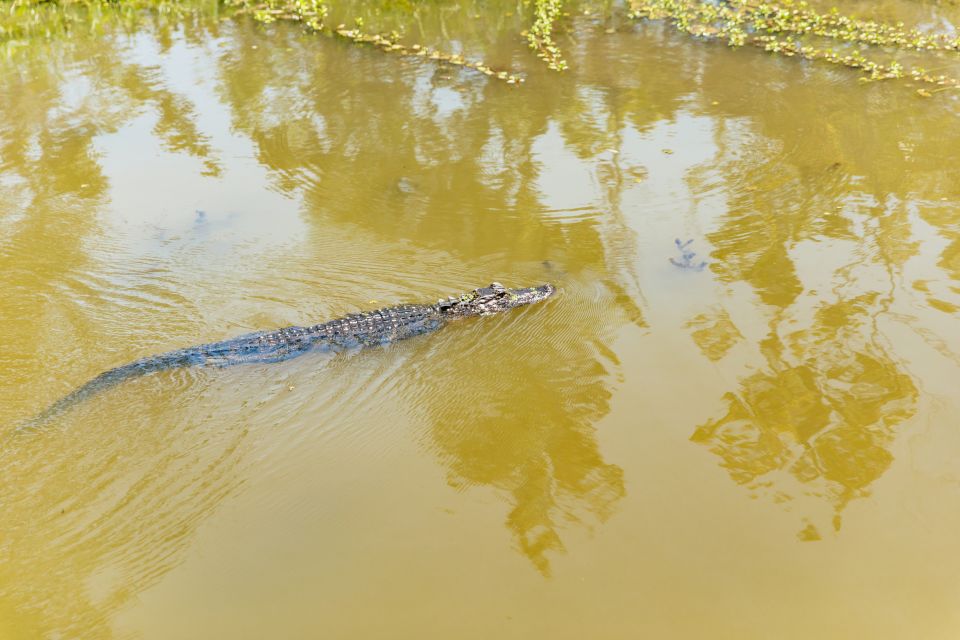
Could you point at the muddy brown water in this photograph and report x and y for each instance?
(766, 448)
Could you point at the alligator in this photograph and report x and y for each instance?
(372, 328)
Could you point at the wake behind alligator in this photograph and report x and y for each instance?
(357, 330)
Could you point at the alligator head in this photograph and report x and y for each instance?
(493, 299)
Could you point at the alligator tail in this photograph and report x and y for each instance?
(107, 379)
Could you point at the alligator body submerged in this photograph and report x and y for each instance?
(358, 330)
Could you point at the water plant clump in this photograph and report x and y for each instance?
(309, 12)
(312, 13)
(789, 28)
(390, 43)
(540, 34)
(792, 28)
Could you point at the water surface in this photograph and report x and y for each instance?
(762, 448)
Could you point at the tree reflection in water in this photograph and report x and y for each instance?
(466, 179)
(819, 417)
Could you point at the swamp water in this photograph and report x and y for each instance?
(765, 448)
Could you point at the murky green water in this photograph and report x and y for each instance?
(766, 448)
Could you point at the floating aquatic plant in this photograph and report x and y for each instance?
(309, 12)
(390, 43)
(788, 28)
(791, 28)
(312, 13)
(540, 34)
